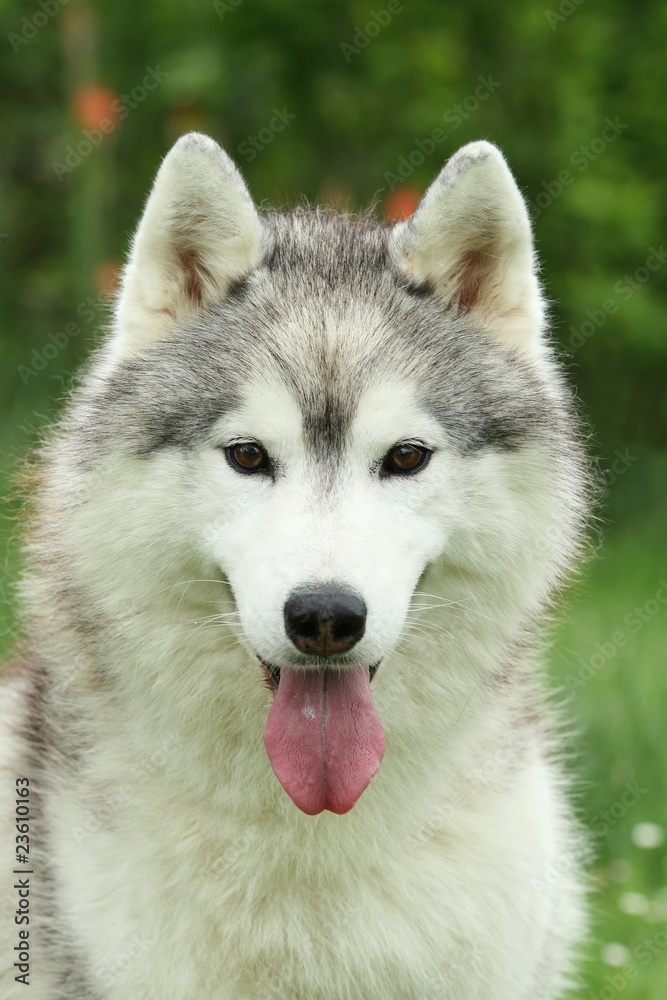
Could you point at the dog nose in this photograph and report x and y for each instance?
(325, 621)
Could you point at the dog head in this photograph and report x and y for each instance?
(356, 428)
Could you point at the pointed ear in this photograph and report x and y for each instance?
(470, 239)
(199, 234)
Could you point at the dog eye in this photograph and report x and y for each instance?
(247, 457)
(404, 459)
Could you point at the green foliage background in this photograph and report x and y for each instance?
(559, 72)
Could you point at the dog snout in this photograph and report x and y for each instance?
(325, 621)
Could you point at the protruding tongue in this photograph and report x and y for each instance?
(324, 737)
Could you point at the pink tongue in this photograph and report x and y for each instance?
(324, 737)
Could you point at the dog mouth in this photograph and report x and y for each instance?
(271, 674)
(323, 735)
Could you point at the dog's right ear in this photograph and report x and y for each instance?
(200, 233)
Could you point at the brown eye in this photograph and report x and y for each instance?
(405, 459)
(247, 457)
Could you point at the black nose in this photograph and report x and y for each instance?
(324, 621)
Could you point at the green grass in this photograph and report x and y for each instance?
(611, 668)
(611, 665)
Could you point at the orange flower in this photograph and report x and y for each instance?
(92, 105)
(401, 203)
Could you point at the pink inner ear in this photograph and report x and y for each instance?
(475, 271)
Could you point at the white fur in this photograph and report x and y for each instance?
(452, 878)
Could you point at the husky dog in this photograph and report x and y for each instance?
(276, 710)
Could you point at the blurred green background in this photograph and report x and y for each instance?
(349, 102)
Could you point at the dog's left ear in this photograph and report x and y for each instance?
(470, 239)
(199, 233)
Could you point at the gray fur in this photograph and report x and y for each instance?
(321, 266)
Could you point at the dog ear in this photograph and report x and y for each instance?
(470, 239)
(199, 233)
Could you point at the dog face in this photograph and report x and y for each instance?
(331, 351)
